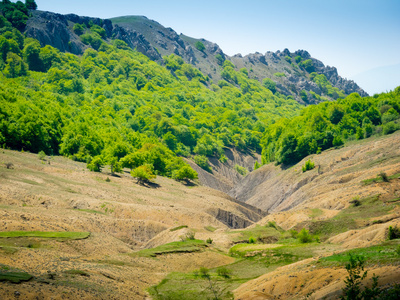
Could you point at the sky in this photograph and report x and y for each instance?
(355, 36)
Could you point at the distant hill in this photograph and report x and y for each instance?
(289, 71)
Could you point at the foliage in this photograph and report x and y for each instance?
(309, 165)
(202, 162)
(224, 272)
(41, 155)
(257, 165)
(95, 164)
(269, 84)
(9, 165)
(304, 236)
(14, 277)
(30, 4)
(328, 124)
(185, 173)
(187, 246)
(393, 233)
(46, 234)
(143, 174)
(79, 29)
(241, 170)
(200, 46)
(114, 97)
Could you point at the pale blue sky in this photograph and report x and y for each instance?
(353, 35)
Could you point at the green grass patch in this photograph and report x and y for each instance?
(179, 227)
(91, 211)
(379, 179)
(316, 212)
(14, 277)
(192, 286)
(112, 262)
(385, 253)
(370, 207)
(76, 272)
(44, 234)
(187, 246)
(259, 233)
(210, 228)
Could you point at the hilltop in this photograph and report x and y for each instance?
(289, 70)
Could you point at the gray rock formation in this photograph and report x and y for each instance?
(154, 40)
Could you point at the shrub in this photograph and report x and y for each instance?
(257, 165)
(95, 164)
(209, 241)
(143, 173)
(200, 46)
(252, 240)
(185, 173)
(356, 201)
(223, 158)
(393, 233)
(78, 29)
(293, 233)
(224, 272)
(309, 165)
(241, 170)
(42, 155)
(204, 272)
(202, 162)
(9, 165)
(269, 84)
(189, 236)
(355, 270)
(304, 236)
(384, 176)
(390, 127)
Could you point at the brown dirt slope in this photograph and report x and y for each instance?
(122, 216)
(336, 179)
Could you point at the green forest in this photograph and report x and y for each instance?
(114, 106)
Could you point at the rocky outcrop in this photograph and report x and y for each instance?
(231, 220)
(154, 40)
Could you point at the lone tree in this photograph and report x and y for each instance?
(185, 173)
(30, 4)
(143, 174)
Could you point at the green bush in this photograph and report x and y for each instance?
(143, 173)
(95, 164)
(304, 236)
(356, 273)
(78, 29)
(42, 155)
(224, 272)
(241, 170)
(393, 233)
(200, 46)
(390, 127)
(202, 162)
(309, 165)
(252, 240)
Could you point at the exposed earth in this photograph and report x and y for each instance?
(123, 217)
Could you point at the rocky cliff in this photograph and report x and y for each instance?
(154, 40)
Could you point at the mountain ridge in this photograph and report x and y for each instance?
(156, 41)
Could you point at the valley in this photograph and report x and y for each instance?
(139, 163)
(126, 221)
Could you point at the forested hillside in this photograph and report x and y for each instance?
(330, 124)
(114, 106)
